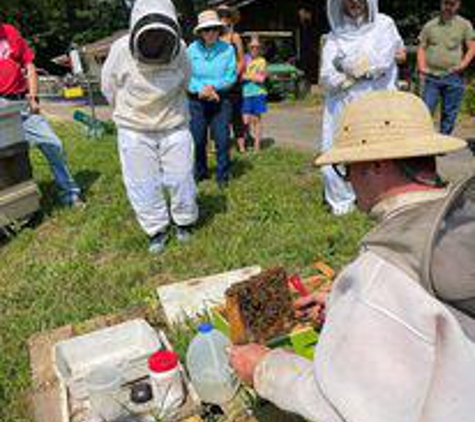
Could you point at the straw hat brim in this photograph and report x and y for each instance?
(409, 148)
(209, 24)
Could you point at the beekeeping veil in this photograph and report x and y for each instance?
(435, 244)
(448, 269)
(154, 32)
(343, 25)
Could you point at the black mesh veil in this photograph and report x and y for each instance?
(449, 258)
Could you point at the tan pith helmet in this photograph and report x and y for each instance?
(387, 125)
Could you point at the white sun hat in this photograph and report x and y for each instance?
(208, 19)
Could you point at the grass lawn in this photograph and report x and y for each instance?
(81, 263)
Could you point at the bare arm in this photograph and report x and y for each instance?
(32, 79)
(469, 55)
(401, 56)
(470, 49)
(421, 51)
(422, 60)
(241, 62)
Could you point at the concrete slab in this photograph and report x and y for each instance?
(294, 126)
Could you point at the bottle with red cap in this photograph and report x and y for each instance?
(167, 383)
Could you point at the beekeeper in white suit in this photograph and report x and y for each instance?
(359, 55)
(145, 79)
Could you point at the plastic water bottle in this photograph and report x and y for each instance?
(208, 365)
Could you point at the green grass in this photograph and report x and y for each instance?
(82, 263)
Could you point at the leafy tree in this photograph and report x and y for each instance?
(52, 25)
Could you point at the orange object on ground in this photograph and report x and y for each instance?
(325, 269)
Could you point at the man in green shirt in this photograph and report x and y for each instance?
(447, 46)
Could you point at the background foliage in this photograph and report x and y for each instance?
(52, 25)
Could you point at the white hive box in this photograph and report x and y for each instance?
(128, 345)
(11, 129)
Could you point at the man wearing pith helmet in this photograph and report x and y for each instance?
(397, 342)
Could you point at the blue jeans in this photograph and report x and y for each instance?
(450, 90)
(39, 133)
(207, 115)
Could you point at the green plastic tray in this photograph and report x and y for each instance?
(302, 341)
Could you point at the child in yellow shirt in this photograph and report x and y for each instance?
(254, 91)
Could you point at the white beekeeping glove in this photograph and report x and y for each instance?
(357, 67)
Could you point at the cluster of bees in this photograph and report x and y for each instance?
(260, 309)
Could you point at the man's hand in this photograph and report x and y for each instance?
(423, 71)
(245, 360)
(34, 105)
(460, 68)
(312, 308)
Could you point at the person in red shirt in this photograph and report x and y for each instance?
(15, 55)
(19, 82)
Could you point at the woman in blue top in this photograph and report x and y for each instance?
(213, 72)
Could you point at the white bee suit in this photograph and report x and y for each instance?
(148, 94)
(356, 59)
(398, 344)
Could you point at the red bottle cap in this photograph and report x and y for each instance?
(163, 361)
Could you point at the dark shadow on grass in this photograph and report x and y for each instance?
(210, 206)
(5, 236)
(86, 179)
(9, 232)
(267, 143)
(267, 412)
(49, 201)
(240, 167)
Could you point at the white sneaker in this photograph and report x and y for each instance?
(341, 211)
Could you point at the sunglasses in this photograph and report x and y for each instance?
(225, 14)
(343, 170)
(211, 29)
